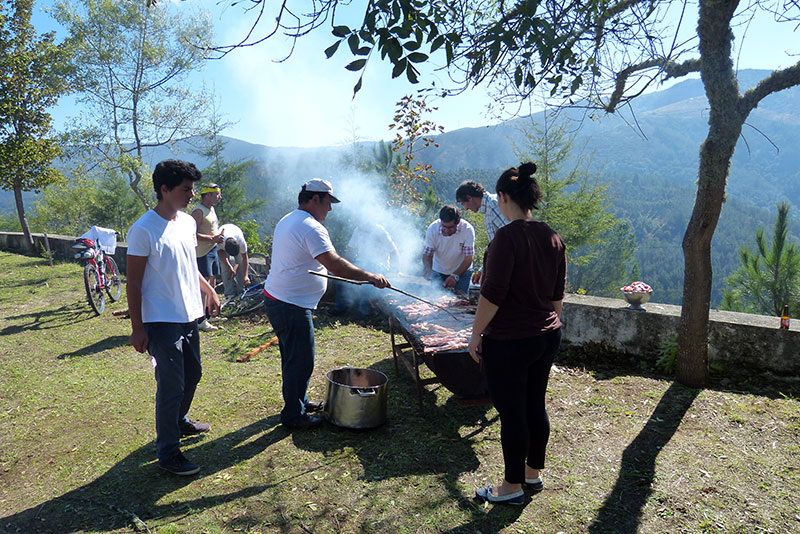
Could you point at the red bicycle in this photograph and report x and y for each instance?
(100, 274)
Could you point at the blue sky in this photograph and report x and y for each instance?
(307, 100)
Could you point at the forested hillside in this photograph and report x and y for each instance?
(648, 156)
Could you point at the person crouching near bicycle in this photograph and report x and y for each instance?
(234, 261)
(301, 244)
(164, 287)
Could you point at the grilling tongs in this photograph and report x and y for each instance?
(362, 282)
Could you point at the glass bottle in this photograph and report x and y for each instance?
(785, 317)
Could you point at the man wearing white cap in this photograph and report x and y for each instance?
(301, 244)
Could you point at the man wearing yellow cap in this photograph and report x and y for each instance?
(208, 236)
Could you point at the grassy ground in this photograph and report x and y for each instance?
(629, 452)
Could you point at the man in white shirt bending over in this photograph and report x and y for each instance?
(448, 250)
(164, 287)
(301, 244)
(234, 260)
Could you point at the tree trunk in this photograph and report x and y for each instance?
(22, 220)
(134, 179)
(725, 124)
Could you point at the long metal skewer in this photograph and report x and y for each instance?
(406, 293)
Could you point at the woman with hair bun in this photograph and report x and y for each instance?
(517, 331)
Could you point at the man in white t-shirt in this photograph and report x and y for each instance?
(234, 260)
(372, 247)
(448, 250)
(301, 244)
(164, 288)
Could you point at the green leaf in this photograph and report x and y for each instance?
(341, 31)
(411, 73)
(357, 86)
(332, 49)
(576, 83)
(417, 57)
(399, 67)
(367, 37)
(353, 42)
(356, 65)
(411, 45)
(437, 43)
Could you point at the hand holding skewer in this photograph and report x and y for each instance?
(388, 285)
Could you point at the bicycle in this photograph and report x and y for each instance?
(100, 274)
(251, 299)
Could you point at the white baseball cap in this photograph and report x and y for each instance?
(318, 185)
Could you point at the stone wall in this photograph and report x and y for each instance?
(60, 246)
(739, 344)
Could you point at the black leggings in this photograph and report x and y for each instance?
(517, 372)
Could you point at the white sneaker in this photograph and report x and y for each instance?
(205, 326)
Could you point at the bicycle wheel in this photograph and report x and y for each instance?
(242, 305)
(258, 275)
(113, 281)
(97, 300)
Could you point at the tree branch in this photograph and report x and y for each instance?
(777, 81)
(670, 69)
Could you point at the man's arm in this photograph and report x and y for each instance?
(427, 266)
(135, 274)
(341, 267)
(245, 264)
(224, 259)
(197, 215)
(211, 293)
(461, 269)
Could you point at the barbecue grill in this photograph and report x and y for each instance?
(424, 334)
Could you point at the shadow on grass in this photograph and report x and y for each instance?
(605, 363)
(622, 509)
(128, 493)
(99, 346)
(68, 314)
(411, 444)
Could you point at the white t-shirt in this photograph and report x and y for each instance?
(298, 239)
(231, 230)
(171, 285)
(371, 247)
(449, 251)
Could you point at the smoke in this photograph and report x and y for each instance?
(364, 204)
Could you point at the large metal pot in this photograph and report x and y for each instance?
(356, 397)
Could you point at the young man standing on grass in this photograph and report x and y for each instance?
(208, 237)
(164, 288)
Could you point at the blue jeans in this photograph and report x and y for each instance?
(176, 348)
(294, 327)
(462, 285)
(208, 265)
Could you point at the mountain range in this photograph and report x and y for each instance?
(647, 153)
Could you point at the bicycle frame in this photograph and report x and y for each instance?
(96, 262)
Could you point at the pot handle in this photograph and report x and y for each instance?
(365, 392)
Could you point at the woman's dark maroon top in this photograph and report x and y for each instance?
(524, 271)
